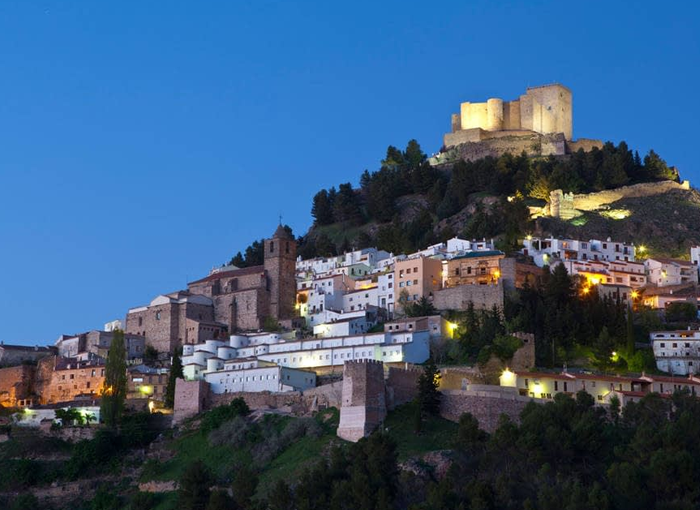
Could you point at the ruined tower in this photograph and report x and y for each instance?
(280, 266)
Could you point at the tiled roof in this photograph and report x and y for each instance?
(230, 274)
(478, 254)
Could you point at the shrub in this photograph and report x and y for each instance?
(232, 433)
(221, 414)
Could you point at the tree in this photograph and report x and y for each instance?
(428, 394)
(421, 308)
(193, 493)
(681, 312)
(150, 355)
(219, 500)
(114, 391)
(280, 497)
(322, 208)
(244, 485)
(175, 374)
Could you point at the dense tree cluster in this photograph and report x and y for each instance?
(570, 321)
(570, 454)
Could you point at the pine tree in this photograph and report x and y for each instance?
(114, 392)
(175, 374)
(428, 394)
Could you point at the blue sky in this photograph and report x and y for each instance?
(142, 143)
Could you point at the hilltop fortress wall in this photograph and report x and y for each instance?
(568, 205)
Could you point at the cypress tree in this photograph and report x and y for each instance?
(175, 374)
(114, 392)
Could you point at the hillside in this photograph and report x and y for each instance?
(409, 204)
(667, 224)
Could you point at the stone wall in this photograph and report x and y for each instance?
(401, 385)
(567, 205)
(472, 145)
(194, 397)
(585, 144)
(458, 298)
(593, 201)
(486, 404)
(15, 384)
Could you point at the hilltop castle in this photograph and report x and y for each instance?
(539, 122)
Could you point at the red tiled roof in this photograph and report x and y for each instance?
(230, 274)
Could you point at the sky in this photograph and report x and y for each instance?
(143, 143)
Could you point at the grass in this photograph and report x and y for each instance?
(436, 434)
(222, 460)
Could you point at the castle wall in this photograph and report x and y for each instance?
(401, 385)
(486, 406)
(476, 144)
(474, 115)
(458, 298)
(15, 384)
(511, 115)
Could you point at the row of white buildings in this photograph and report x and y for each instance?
(279, 362)
(612, 265)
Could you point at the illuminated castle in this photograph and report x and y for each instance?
(546, 110)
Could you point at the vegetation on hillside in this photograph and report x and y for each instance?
(570, 324)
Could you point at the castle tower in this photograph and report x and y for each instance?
(364, 399)
(280, 266)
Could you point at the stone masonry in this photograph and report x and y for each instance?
(364, 399)
(484, 297)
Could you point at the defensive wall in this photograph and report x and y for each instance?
(567, 205)
(15, 384)
(194, 397)
(484, 297)
(485, 403)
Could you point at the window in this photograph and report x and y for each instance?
(408, 271)
(157, 316)
(415, 282)
(272, 246)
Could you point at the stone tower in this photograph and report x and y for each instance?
(280, 266)
(364, 399)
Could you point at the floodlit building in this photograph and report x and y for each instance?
(417, 278)
(474, 268)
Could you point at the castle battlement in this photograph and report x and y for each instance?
(543, 109)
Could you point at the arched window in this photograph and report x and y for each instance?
(272, 246)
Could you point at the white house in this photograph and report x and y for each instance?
(258, 376)
(343, 327)
(544, 250)
(677, 352)
(664, 271)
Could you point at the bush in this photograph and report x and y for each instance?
(221, 414)
(681, 312)
(273, 443)
(233, 433)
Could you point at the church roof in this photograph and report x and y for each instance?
(281, 233)
(231, 274)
